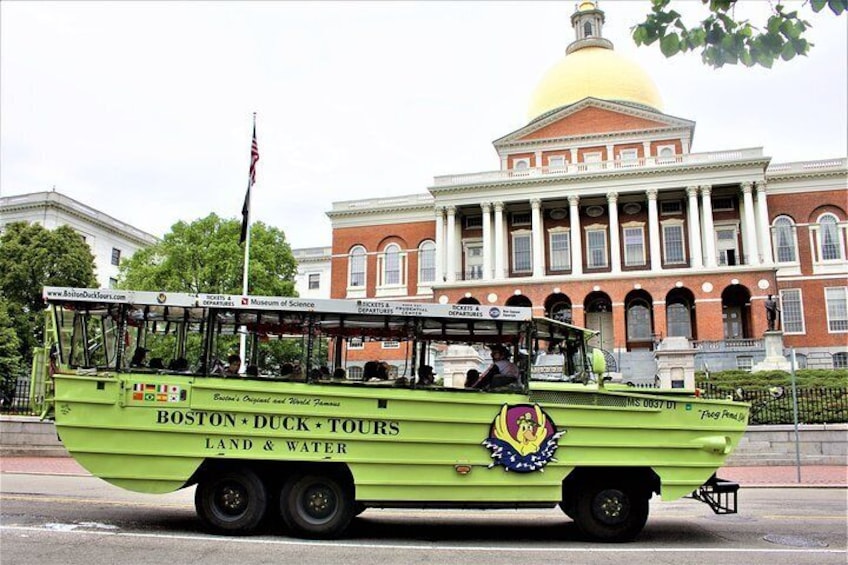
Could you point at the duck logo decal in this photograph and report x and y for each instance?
(523, 438)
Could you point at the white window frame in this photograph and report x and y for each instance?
(357, 291)
(426, 245)
(793, 235)
(745, 363)
(816, 233)
(390, 344)
(643, 260)
(666, 212)
(385, 288)
(718, 245)
(593, 160)
(115, 259)
(472, 264)
(596, 229)
(831, 318)
(309, 281)
(356, 343)
(784, 301)
(676, 224)
(628, 157)
(564, 265)
(522, 164)
(557, 162)
(518, 219)
(521, 234)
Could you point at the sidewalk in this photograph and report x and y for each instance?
(768, 476)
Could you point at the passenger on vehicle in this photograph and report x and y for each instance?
(339, 374)
(502, 372)
(252, 371)
(179, 364)
(157, 363)
(425, 376)
(286, 370)
(233, 365)
(139, 357)
(471, 377)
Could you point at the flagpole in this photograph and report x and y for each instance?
(246, 271)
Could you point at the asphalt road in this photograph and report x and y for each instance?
(69, 520)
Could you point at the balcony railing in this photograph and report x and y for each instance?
(572, 169)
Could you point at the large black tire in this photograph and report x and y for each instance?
(231, 501)
(610, 511)
(317, 506)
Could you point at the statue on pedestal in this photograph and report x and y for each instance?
(772, 312)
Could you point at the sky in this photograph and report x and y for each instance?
(143, 110)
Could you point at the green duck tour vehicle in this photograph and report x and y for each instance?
(136, 384)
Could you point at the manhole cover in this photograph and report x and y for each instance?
(794, 541)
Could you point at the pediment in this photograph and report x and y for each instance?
(593, 117)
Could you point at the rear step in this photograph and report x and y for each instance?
(718, 494)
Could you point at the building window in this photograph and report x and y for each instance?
(673, 252)
(521, 164)
(556, 162)
(800, 361)
(671, 207)
(473, 260)
(840, 360)
(830, 243)
(113, 282)
(391, 265)
(391, 344)
(791, 311)
(522, 253)
(784, 240)
(726, 245)
(560, 250)
(634, 246)
(638, 321)
(521, 219)
(679, 320)
(473, 222)
(314, 281)
(745, 363)
(116, 256)
(354, 373)
(836, 298)
(723, 204)
(427, 262)
(355, 343)
(357, 266)
(628, 157)
(596, 248)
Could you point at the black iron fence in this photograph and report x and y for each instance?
(17, 400)
(816, 405)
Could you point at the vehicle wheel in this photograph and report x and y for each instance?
(611, 512)
(316, 506)
(231, 501)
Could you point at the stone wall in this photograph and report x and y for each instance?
(820, 444)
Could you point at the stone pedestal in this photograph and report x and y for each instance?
(774, 361)
(675, 363)
(456, 360)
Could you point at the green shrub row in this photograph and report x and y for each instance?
(831, 378)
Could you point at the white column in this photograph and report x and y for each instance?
(764, 225)
(440, 244)
(487, 240)
(539, 159)
(654, 230)
(646, 145)
(749, 228)
(499, 241)
(615, 236)
(576, 244)
(450, 267)
(538, 247)
(709, 227)
(695, 258)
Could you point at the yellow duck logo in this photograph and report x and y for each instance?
(522, 438)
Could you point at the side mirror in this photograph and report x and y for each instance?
(599, 362)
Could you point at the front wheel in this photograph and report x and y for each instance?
(317, 506)
(611, 512)
(231, 501)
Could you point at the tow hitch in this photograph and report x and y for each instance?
(718, 494)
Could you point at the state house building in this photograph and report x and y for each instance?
(602, 215)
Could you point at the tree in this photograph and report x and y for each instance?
(32, 257)
(723, 40)
(10, 355)
(205, 256)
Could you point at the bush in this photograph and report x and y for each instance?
(767, 379)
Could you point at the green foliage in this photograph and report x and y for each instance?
(766, 379)
(10, 355)
(723, 40)
(32, 257)
(205, 256)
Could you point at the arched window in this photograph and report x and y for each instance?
(679, 320)
(638, 321)
(785, 245)
(830, 245)
(587, 29)
(357, 267)
(426, 262)
(391, 265)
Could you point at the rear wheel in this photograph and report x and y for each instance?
(611, 512)
(231, 501)
(317, 506)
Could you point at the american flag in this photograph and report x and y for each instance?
(245, 209)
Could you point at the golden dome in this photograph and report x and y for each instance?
(597, 72)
